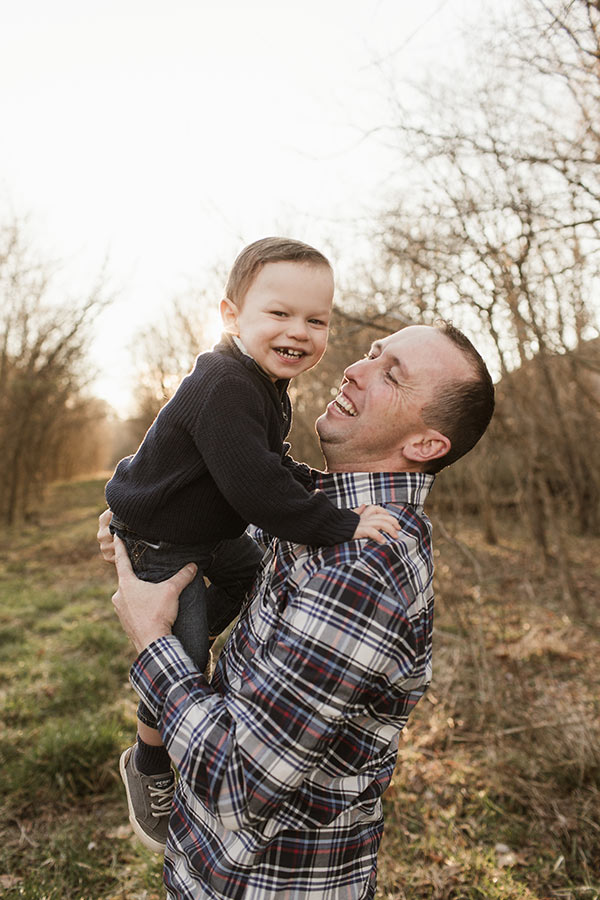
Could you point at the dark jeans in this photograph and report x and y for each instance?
(204, 611)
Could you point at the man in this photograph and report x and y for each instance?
(284, 757)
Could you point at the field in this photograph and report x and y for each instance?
(497, 790)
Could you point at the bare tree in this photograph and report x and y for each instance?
(498, 228)
(164, 351)
(43, 347)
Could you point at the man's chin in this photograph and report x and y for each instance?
(327, 437)
(324, 426)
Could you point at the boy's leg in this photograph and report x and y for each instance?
(146, 767)
(231, 571)
(156, 563)
(191, 626)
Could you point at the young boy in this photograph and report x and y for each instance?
(213, 461)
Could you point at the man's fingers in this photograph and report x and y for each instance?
(104, 518)
(124, 570)
(375, 535)
(384, 523)
(104, 537)
(182, 578)
(122, 562)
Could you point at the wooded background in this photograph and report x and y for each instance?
(493, 222)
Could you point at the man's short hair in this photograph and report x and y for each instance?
(462, 410)
(266, 250)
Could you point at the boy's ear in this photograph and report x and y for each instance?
(229, 315)
(427, 445)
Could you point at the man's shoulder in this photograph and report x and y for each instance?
(357, 577)
(407, 557)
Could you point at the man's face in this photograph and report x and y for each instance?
(375, 423)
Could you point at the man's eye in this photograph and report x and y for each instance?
(390, 377)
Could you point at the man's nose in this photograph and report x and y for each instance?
(356, 370)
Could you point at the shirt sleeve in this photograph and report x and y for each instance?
(232, 436)
(343, 641)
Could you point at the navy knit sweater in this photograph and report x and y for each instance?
(214, 460)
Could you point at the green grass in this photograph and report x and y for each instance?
(66, 712)
(497, 790)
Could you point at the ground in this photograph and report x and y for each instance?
(496, 792)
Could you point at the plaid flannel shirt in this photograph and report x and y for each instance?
(284, 757)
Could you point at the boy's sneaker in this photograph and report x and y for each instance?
(149, 799)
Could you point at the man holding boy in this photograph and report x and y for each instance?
(284, 757)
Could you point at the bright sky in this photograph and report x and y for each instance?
(166, 135)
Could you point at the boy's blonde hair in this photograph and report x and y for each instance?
(267, 250)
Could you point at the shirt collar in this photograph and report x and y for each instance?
(233, 343)
(350, 489)
(240, 345)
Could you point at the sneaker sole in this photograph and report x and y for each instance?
(144, 838)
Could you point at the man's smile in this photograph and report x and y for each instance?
(345, 405)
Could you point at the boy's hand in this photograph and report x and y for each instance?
(104, 537)
(146, 610)
(373, 521)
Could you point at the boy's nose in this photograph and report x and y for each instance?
(297, 329)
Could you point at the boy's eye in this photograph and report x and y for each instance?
(278, 312)
(317, 322)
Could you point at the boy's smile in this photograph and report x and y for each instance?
(284, 318)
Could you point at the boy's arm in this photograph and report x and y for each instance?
(300, 471)
(232, 437)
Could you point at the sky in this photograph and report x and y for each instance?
(164, 136)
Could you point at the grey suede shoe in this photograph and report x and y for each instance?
(149, 798)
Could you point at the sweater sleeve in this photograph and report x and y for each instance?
(300, 471)
(231, 434)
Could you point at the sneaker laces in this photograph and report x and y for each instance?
(163, 797)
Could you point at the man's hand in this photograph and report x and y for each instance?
(104, 537)
(147, 611)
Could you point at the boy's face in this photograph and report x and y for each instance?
(284, 319)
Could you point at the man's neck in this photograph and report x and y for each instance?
(337, 463)
(340, 466)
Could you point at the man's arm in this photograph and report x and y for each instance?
(256, 483)
(247, 755)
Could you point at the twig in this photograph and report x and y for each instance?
(517, 729)
(461, 546)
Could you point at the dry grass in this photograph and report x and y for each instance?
(497, 788)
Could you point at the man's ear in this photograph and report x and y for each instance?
(427, 445)
(229, 315)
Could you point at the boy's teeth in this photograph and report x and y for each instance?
(293, 354)
(345, 405)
